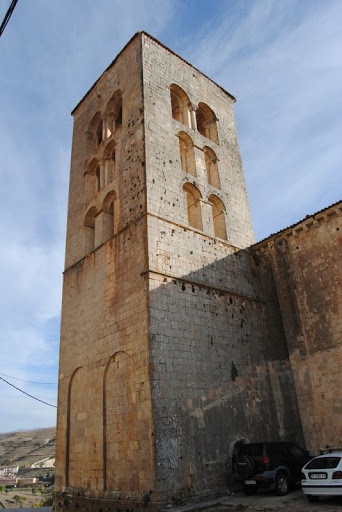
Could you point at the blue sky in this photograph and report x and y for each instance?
(282, 61)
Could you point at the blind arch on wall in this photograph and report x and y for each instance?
(219, 218)
(193, 201)
(206, 122)
(113, 113)
(187, 153)
(211, 167)
(180, 105)
(89, 227)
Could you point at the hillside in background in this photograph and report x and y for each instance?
(27, 446)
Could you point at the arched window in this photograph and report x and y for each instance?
(113, 113)
(109, 214)
(98, 178)
(193, 197)
(187, 154)
(109, 158)
(219, 220)
(89, 227)
(206, 122)
(91, 180)
(99, 132)
(211, 167)
(180, 105)
(94, 133)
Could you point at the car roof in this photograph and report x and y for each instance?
(330, 454)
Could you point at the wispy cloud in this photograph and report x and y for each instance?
(52, 53)
(283, 62)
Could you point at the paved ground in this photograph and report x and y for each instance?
(267, 501)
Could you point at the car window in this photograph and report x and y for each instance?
(323, 463)
(253, 450)
(279, 449)
(295, 451)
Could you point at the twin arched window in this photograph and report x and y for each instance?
(204, 120)
(99, 173)
(193, 202)
(100, 225)
(188, 163)
(102, 126)
(101, 168)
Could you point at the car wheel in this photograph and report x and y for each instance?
(249, 491)
(282, 484)
(312, 499)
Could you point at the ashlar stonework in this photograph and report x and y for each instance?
(181, 339)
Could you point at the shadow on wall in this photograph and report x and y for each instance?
(221, 370)
(220, 374)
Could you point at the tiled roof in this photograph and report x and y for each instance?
(292, 226)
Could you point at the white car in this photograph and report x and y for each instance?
(322, 476)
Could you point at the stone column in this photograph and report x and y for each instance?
(102, 173)
(193, 124)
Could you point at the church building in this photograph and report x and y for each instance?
(181, 338)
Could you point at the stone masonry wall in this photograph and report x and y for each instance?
(165, 177)
(214, 382)
(177, 344)
(306, 264)
(105, 447)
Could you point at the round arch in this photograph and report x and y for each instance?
(219, 219)
(206, 122)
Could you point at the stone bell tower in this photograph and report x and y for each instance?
(157, 291)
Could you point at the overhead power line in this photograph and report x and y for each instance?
(7, 16)
(30, 381)
(34, 397)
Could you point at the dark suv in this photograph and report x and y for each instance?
(262, 465)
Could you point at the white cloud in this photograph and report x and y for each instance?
(52, 53)
(282, 61)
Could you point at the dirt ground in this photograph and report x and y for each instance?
(267, 501)
(295, 501)
(28, 499)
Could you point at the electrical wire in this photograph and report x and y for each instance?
(7, 16)
(31, 396)
(30, 381)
